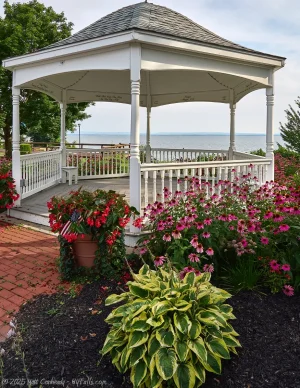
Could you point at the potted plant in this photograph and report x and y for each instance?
(91, 227)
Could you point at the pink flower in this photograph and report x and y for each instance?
(194, 241)
(180, 226)
(199, 225)
(205, 234)
(207, 221)
(274, 265)
(167, 237)
(264, 240)
(286, 267)
(268, 215)
(194, 258)
(284, 228)
(159, 260)
(208, 268)
(244, 242)
(209, 252)
(143, 251)
(288, 290)
(199, 248)
(176, 234)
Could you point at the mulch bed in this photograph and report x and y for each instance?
(62, 337)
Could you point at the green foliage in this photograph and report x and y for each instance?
(290, 132)
(170, 329)
(259, 152)
(245, 274)
(26, 28)
(25, 149)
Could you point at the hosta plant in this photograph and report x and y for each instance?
(169, 331)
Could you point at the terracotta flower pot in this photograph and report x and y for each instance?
(84, 249)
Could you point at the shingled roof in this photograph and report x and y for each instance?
(151, 18)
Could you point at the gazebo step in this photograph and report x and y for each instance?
(23, 214)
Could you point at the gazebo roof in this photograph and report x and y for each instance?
(151, 18)
(175, 59)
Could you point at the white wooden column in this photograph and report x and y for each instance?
(270, 133)
(232, 126)
(135, 166)
(148, 141)
(148, 145)
(16, 159)
(63, 109)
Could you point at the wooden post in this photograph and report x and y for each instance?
(270, 133)
(16, 156)
(232, 127)
(63, 108)
(135, 166)
(148, 142)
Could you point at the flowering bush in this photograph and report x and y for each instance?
(170, 329)
(100, 214)
(287, 167)
(216, 233)
(8, 193)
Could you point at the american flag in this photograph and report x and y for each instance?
(75, 217)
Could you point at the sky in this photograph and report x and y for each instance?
(270, 26)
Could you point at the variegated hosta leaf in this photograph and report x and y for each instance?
(165, 337)
(155, 378)
(231, 341)
(213, 364)
(137, 338)
(181, 349)
(183, 305)
(195, 329)
(108, 345)
(190, 279)
(137, 290)
(114, 298)
(137, 354)
(155, 321)
(153, 345)
(138, 373)
(144, 270)
(139, 323)
(166, 363)
(214, 332)
(197, 346)
(124, 359)
(230, 330)
(171, 295)
(182, 322)
(161, 308)
(217, 315)
(184, 376)
(218, 347)
(199, 371)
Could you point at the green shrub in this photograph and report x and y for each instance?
(170, 329)
(25, 149)
(259, 152)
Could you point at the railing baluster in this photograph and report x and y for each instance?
(146, 175)
(185, 173)
(171, 181)
(162, 176)
(178, 178)
(154, 189)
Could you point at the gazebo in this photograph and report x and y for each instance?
(148, 56)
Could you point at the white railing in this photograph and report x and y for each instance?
(246, 156)
(39, 171)
(172, 175)
(99, 163)
(169, 155)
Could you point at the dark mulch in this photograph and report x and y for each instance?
(62, 337)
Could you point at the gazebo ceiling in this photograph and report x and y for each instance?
(180, 61)
(164, 87)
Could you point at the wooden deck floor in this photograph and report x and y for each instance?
(34, 208)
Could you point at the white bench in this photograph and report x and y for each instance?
(69, 173)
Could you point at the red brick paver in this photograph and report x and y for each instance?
(27, 269)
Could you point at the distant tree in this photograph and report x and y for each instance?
(290, 132)
(26, 28)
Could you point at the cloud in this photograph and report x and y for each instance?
(269, 26)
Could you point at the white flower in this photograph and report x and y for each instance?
(11, 333)
(12, 324)
(2, 351)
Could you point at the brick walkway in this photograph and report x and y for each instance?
(27, 269)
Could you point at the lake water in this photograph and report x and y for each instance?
(244, 143)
